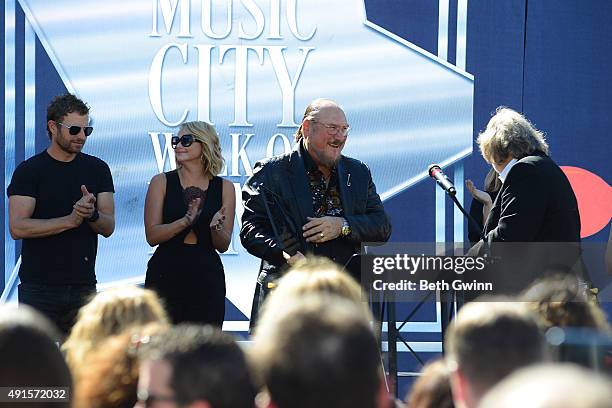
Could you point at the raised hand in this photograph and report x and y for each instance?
(86, 205)
(216, 224)
(193, 211)
(479, 195)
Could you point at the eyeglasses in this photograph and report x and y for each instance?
(75, 130)
(147, 400)
(333, 130)
(186, 140)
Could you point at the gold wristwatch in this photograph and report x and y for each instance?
(346, 228)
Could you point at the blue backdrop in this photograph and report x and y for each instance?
(420, 76)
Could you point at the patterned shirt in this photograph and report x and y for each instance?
(326, 202)
(325, 196)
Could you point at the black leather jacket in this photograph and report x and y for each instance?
(283, 182)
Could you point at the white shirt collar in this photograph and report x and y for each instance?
(504, 173)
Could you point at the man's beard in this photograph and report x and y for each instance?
(326, 161)
(67, 146)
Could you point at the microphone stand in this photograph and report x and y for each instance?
(486, 247)
(453, 195)
(287, 221)
(262, 192)
(471, 219)
(446, 308)
(445, 184)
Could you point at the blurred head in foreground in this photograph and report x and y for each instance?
(551, 386)
(29, 355)
(194, 366)
(432, 389)
(109, 313)
(316, 274)
(111, 374)
(486, 342)
(561, 301)
(318, 350)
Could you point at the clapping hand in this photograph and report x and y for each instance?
(86, 205)
(216, 224)
(479, 195)
(193, 211)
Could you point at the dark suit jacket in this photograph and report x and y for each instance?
(476, 208)
(533, 229)
(281, 183)
(536, 203)
(283, 180)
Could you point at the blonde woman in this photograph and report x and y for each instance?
(189, 214)
(109, 313)
(110, 375)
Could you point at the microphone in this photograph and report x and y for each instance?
(436, 173)
(443, 181)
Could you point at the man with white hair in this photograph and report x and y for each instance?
(533, 227)
(536, 202)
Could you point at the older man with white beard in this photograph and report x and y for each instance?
(311, 200)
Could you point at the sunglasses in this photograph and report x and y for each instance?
(186, 140)
(75, 130)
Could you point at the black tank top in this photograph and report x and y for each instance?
(175, 207)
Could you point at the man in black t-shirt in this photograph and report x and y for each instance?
(59, 201)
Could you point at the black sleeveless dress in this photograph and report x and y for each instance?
(189, 277)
